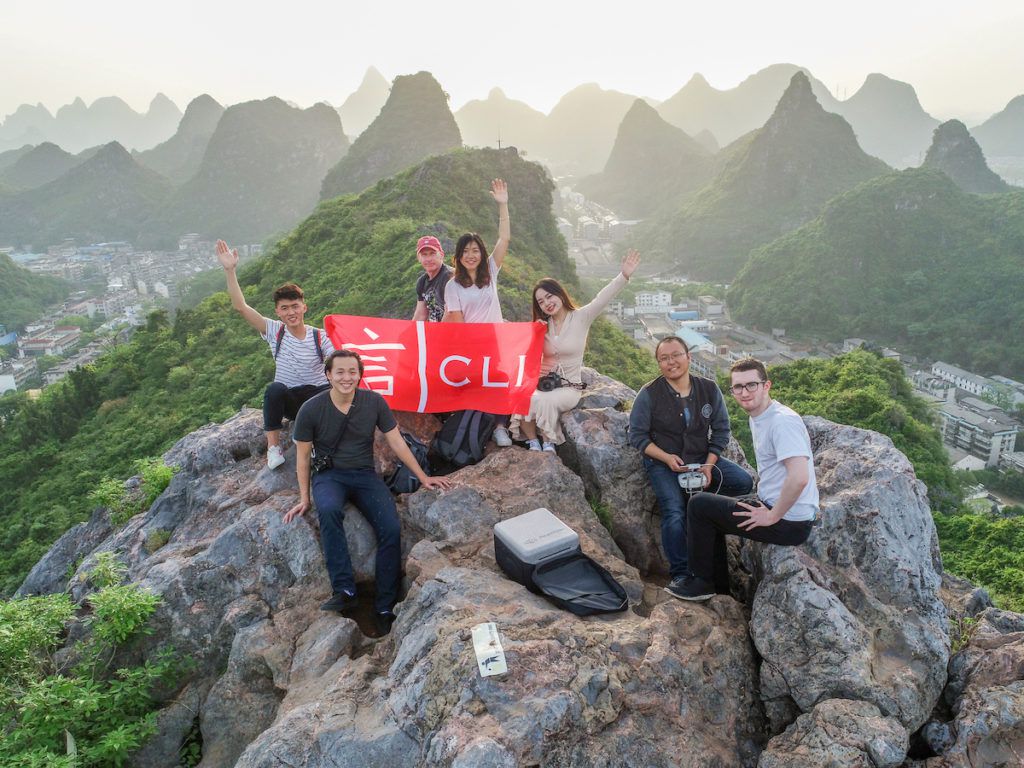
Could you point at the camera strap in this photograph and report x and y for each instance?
(344, 427)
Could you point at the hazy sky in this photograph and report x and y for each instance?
(964, 59)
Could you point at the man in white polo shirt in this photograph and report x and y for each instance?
(787, 494)
(299, 351)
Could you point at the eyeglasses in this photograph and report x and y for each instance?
(750, 386)
(674, 356)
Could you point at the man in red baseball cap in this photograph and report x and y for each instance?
(430, 286)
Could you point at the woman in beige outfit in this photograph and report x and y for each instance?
(564, 344)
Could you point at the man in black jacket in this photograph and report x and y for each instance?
(676, 420)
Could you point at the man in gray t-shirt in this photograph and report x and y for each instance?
(431, 284)
(333, 434)
(787, 502)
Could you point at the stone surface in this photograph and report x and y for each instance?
(53, 570)
(839, 733)
(854, 615)
(855, 612)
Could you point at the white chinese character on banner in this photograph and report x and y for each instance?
(373, 364)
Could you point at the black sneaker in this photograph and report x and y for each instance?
(690, 588)
(384, 621)
(340, 602)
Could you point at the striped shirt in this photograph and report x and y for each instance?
(297, 362)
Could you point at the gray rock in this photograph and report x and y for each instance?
(53, 570)
(604, 392)
(855, 613)
(839, 733)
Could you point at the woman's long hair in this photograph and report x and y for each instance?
(483, 272)
(555, 288)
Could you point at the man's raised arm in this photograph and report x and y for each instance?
(228, 259)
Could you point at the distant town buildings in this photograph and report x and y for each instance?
(965, 380)
(979, 429)
(14, 374)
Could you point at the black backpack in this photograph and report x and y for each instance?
(316, 342)
(402, 480)
(461, 439)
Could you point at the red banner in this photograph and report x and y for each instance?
(439, 367)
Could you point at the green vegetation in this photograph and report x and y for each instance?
(413, 124)
(611, 353)
(988, 551)
(77, 712)
(353, 255)
(24, 296)
(124, 503)
(907, 260)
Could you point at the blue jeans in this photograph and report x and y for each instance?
(331, 489)
(735, 481)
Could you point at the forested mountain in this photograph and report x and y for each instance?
(652, 164)
(364, 104)
(107, 197)
(38, 166)
(11, 156)
(483, 122)
(23, 295)
(354, 254)
(414, 124)
(772, 181)
(955, 152)
(180, 157)
(260, 174)
(907, 259)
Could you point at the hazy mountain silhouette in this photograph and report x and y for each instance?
(414, 124)
(483, 121)
(773, 180)
(907, 259)
(730, 113)
(955, 152)
(888, 120)
(652, 163)
(180, 156)
(1002, 136)
(260, 173)
(107, 197)
(76, 126)
(364, 104)
(580, 131)
(39, 166)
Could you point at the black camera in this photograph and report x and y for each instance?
(321, 463)
(549, 382)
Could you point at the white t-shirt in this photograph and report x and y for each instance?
(298, 362)
(779, 433)
(477, 305)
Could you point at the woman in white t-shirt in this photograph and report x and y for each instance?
(471, 296)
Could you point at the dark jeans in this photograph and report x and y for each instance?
(281, 402)
(735, 481)
(710, 517)
(331, 489)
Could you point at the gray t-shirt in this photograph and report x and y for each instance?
(319, 421)
(431, 292)
(779, 434)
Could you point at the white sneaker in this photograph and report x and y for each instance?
(275, 457)
(548, 447)
(533, 445)
(501, 437)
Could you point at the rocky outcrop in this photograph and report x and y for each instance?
(855, 613)
(840, 656)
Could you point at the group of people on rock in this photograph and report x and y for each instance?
(678, 422)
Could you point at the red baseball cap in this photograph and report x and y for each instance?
(429, 241)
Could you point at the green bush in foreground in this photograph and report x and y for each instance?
(80, 713)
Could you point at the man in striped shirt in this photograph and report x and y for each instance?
(298, 349)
